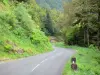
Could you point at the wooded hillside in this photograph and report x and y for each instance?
(52, 4)
(24, 26)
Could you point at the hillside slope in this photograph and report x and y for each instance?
(52, 4)
(20, 32)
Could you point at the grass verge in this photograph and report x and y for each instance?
(10, 51)
(88, 61)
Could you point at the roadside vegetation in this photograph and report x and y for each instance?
(87, 59)
(81, 27)
(25, 28)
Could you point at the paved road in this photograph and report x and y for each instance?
(51, 63)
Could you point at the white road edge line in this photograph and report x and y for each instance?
(39, 64)
(35, 67)
(45, 60)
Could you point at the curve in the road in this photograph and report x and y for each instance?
(51, 63)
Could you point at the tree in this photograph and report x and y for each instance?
(48, 25)
(86, 14)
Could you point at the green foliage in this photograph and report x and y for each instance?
(38, 37)
(47, 20)
(7, 47)
(60, 44)
(37, 13)
(24, 19)
(48, 24)
(7, 21)
(87, 61)
(83, 27)
(93, 47)
(5, 2)
(22, 26)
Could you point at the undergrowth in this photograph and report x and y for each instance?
(88, 61)
(20, 35)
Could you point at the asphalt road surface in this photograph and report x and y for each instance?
(51, 63)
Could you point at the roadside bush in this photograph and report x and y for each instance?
(38, 38)
(87, 60)
(7, 21)
(24, 19)
(7, 47)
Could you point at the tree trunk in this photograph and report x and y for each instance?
(98, 38)
(84, 36)
(98, 34)
(87, 32)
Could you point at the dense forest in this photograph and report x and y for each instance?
(82, 23)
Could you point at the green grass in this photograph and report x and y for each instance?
(60, 44)
(88, 61)
(29, 48)
(25, 44)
